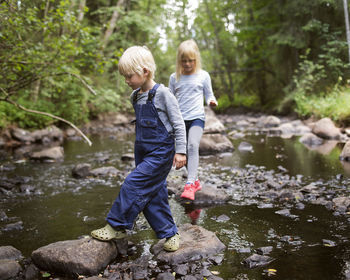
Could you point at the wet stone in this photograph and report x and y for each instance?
(9, 269)
(245, 147)
(196, 243)
(10, 253)
(3, 216)
(216, 259)
(81, 170)
(127, 157)
(27, 189)
(222, 218)
(50, 154)
(105, 171)
(31, 272)
(244, 250)
(205, 272)
(190, 277)
(181, 269)
(283, 212)
(14, 226)
(84, 256)
(256, 260)
(300, 206)
(264, 250)
(165, 276)
(328, 243)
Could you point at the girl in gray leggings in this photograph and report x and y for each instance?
(190, 85)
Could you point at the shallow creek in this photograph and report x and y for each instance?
(64, 208)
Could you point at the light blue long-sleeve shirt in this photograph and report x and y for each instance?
(190, 91)
(169, 113)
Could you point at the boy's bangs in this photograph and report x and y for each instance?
(124, 69)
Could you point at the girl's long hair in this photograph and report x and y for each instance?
(187, 49)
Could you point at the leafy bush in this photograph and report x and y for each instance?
(334, 105)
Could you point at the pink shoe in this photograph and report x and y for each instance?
(197, 185)
(189, 191)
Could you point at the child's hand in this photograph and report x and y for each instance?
(213, 103)
(179, 161)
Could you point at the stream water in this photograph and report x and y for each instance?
(64, 208)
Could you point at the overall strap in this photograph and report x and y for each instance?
(152, 92)
(134, 97)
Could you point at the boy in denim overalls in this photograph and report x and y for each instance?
(160, 143)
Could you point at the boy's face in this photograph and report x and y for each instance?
(135, 80)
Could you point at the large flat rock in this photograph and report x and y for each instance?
(195, 243)
(84, 256)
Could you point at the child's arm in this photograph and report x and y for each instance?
(173, 112)
(171, 83)
(208, 91)
(179, 160)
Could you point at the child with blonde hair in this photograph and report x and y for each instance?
(159, 126)
(190, 85)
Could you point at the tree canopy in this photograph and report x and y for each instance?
(61, 57)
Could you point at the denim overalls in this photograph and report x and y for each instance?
(144, 189)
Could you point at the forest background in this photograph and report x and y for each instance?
(283, 57)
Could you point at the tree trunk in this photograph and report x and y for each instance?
(37, 84)
(82, 4)
(346, 13)
(112, 23)
(220, 51)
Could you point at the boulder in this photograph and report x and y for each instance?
(9, 266)
(268, 121)
(310, 139)
(10, 253)
(215, 143)
(9, 269)
(345, 154)
(82, 170)
(341, 202)
(326, 129)
(326, 148)
(22, 135)
(51, 154)
(48, 135)
(84, 256)
(212, 123)
(105, 171)
(196, 243)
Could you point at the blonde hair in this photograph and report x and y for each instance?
(135, 59)
(187, 49)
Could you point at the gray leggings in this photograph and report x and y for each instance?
(193, 139)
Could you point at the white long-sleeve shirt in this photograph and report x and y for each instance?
(190, 91)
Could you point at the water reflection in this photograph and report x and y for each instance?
(325, 149)
(193, 213)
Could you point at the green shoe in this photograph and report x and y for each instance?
(107, 233)
(172, 244)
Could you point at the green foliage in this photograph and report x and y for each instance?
(48, 56)
(241, 100)
(260, 54)
(334, 104)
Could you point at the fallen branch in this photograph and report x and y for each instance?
(84, 83)
(45, 114)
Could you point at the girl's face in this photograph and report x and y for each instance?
(188, 65)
